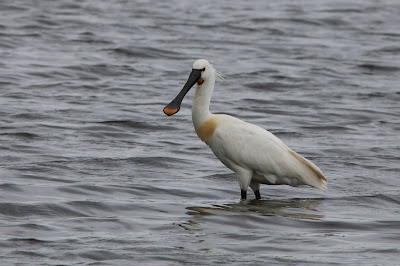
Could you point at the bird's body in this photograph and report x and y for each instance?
(254, 154)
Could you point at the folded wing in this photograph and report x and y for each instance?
(254, 148)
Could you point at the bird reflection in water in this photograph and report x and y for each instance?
(301, 209)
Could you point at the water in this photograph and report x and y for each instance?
(93, 172)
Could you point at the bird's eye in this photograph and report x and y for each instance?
(204, 69)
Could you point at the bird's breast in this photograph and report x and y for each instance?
(206, 130)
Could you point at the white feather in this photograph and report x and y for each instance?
(242, 145)
(220, 76)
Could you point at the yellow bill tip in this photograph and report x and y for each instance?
(170, 110)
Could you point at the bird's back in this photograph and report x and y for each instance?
(237, 143)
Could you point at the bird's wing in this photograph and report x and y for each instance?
(252, 147)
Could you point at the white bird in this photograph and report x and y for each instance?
(254, 154)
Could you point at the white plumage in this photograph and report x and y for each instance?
(254, 154)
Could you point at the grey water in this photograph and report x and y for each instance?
(93, 173)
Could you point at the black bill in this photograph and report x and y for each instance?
(174, 106)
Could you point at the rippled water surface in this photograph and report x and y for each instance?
(93, 172)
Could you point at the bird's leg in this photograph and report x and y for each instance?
(244, 194)
(256, 188)
(244, 178)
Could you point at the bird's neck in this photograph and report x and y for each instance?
(201, 102)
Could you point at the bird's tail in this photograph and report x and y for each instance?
(318, 179)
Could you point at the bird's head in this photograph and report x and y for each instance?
(206, 70)
(202, 71)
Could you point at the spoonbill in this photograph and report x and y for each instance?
(253, 153)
